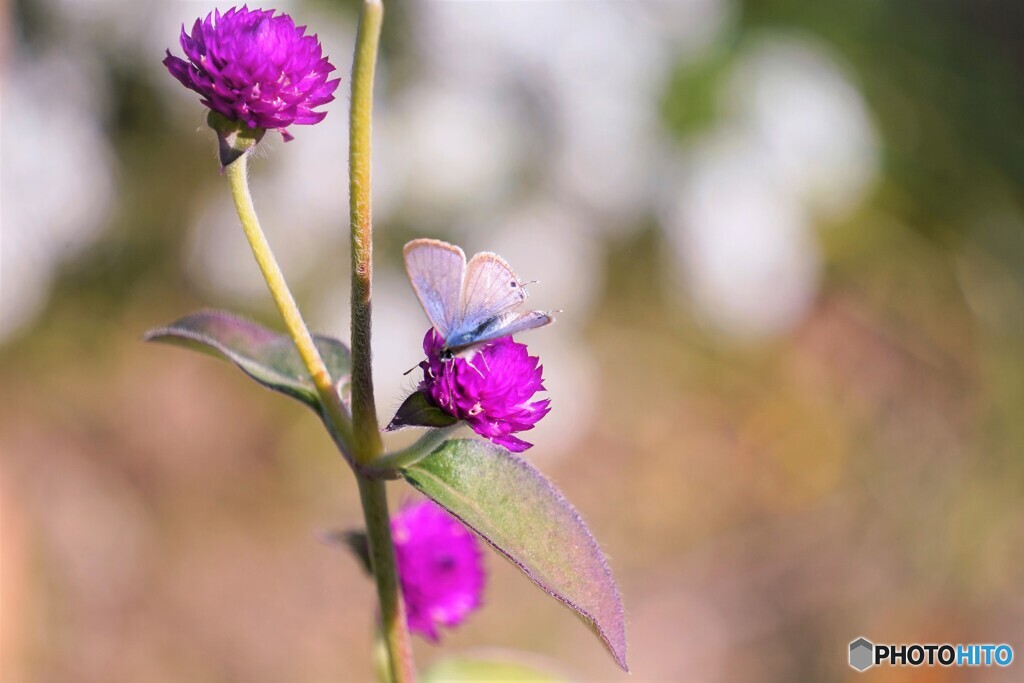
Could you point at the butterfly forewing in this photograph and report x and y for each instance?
(436, 270)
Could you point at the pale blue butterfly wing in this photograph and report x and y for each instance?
(491, 293)
(498, 326)
(436, 271)
(521, 322)
(484, 307)
(489, 288)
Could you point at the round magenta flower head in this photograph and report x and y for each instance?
(440, 567)
(492, 389)
(255, 68)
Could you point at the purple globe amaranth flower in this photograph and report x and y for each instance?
(440, 567)
(253, 67)
(491, 389)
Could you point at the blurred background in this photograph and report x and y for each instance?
(787, 385)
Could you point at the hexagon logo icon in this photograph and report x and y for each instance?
(862, 654)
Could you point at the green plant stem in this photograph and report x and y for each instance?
(381, 661)
(382, 560)
(364, 411)
(333, 409)
(366, 433)
(387, 466)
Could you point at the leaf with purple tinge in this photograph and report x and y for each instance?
(268, 357)
(524, 517)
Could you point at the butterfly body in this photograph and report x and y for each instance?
(468, 303)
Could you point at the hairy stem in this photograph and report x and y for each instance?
(333, 409)
(382, 561)
(364, 411)
(366, 433)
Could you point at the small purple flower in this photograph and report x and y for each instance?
(491, 390)
(253, 67)
(440, 567)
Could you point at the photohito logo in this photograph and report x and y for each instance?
(864, 654)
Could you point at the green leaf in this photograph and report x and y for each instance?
(470, 669)
(524, 517)
(268, 357)
(418, 411)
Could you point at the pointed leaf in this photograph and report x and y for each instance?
(418, 411)
(268, 357)
(523, 516)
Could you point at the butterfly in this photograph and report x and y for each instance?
(468, 303)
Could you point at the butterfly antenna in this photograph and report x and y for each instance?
(404, 374)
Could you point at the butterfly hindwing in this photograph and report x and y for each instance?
(498, 326)
(490, 288)
(436, 270)
(528, 320)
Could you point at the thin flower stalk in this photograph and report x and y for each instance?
(387, 466)
(334, 412)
